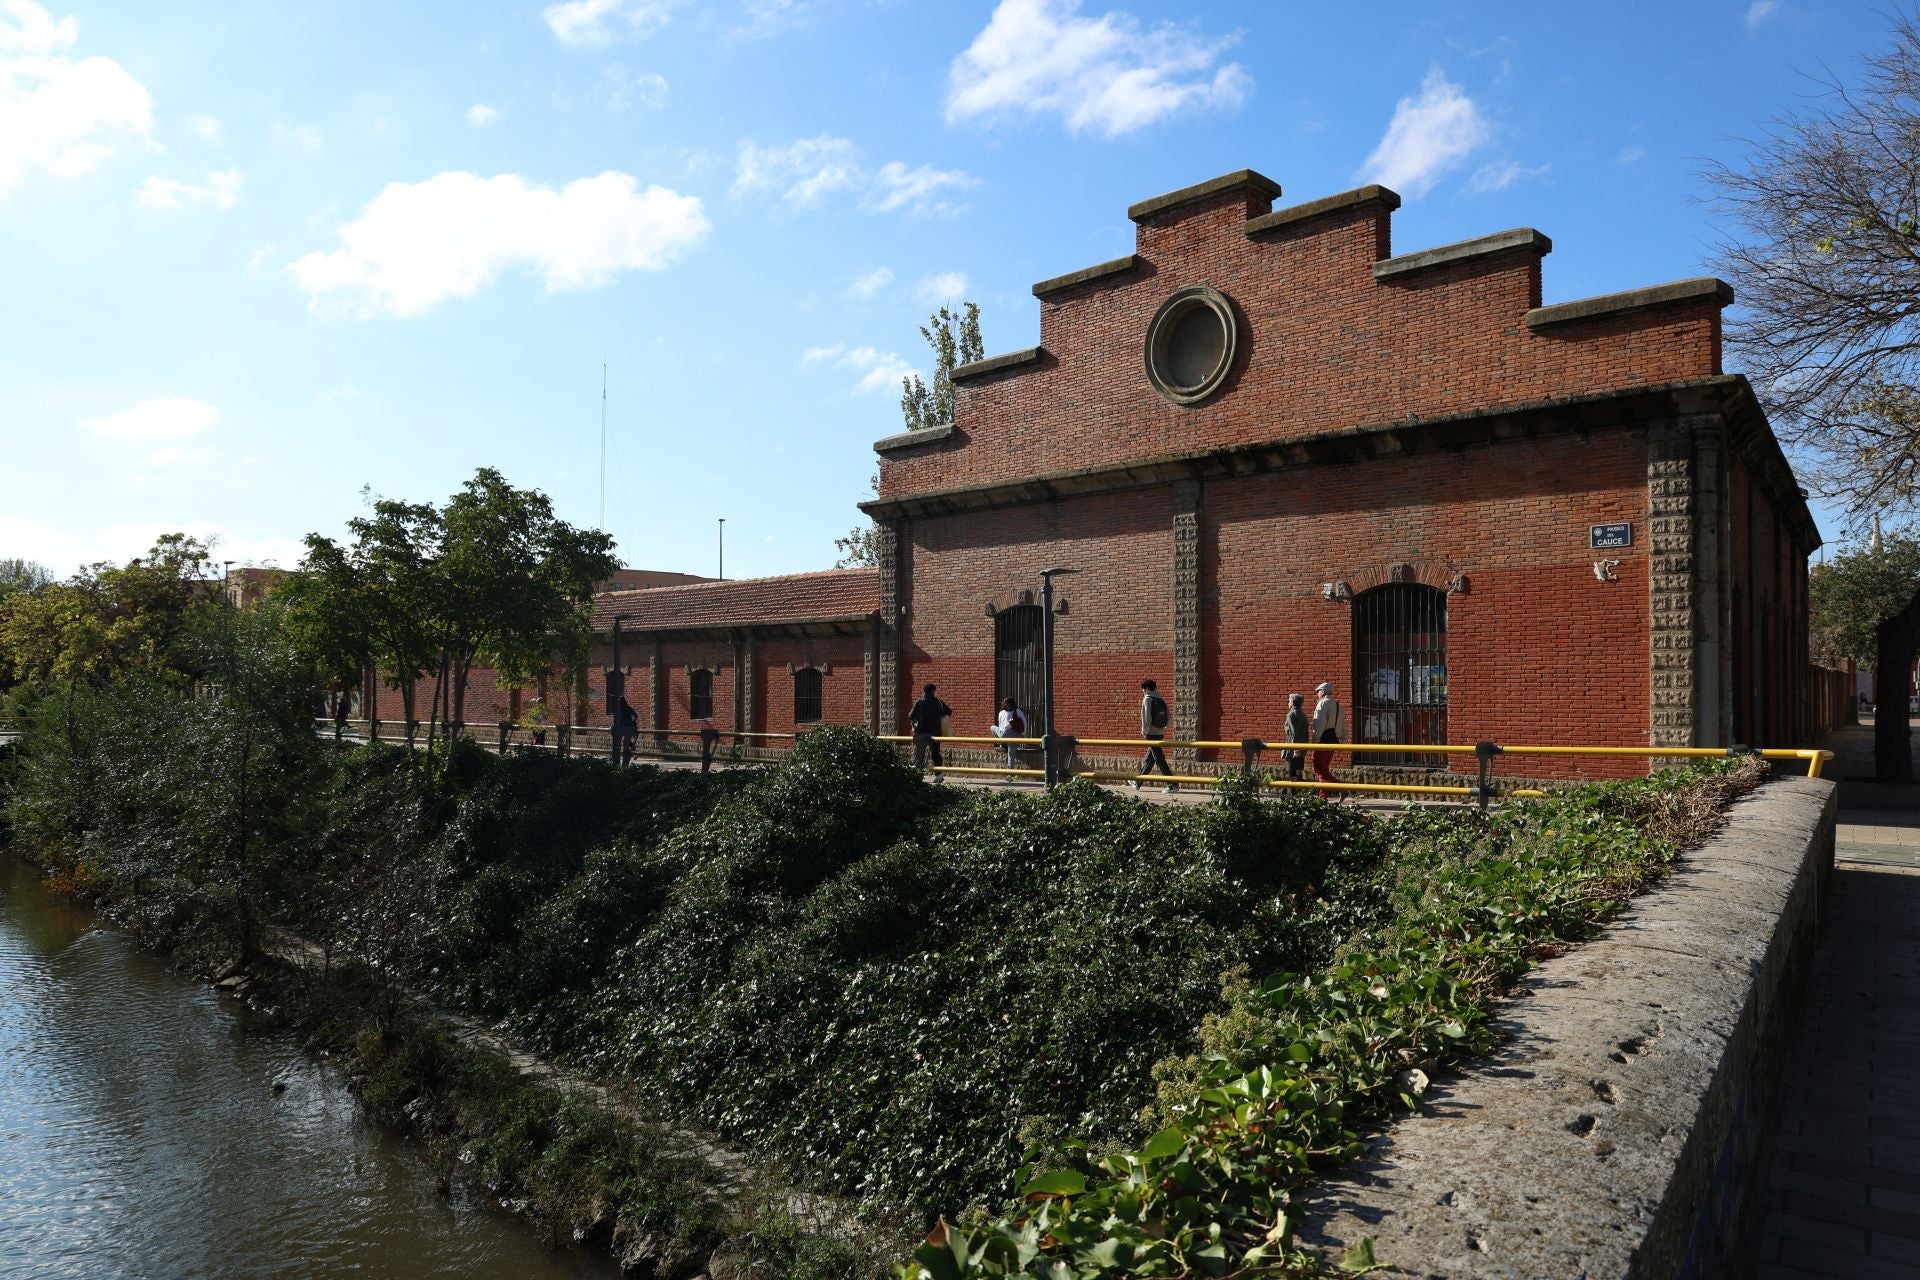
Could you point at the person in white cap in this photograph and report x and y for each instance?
(1329, 725)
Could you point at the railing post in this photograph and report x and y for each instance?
(1484, 752)
(1251, 749)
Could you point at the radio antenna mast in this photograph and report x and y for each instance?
(603, 444)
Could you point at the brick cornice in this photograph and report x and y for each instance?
(1729, 395)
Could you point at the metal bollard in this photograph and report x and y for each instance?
(1484, 790)
(709, 738)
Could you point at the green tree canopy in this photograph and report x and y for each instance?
(1857, 590)
(954, 337)
(108, 619)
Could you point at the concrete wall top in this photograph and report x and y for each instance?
(1619, 1130)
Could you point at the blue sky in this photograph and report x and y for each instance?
(254, 257)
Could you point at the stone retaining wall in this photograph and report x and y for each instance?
(1621, 1130)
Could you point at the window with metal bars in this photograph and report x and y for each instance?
(1400, 670)
(700, 695)
(806, 695)
(1017, 671)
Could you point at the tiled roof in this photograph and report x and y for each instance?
(798, 597)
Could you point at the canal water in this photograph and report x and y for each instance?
(140, 1134)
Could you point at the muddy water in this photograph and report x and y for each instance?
(140, 1134)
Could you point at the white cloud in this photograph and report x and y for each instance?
(259, 258)
(805, 172)
(647, 90)
(766, 18)
(593, 23)
(418, 244)
(173, 418)
(178, 455)
(1429, 135)
(59, 115)
(1759, 11)
(897, 187)
(480, 115)
(878, 370)
(1502, 174)
(870, 283)
(65, 551)
(171, 196)
(1631, 155)
(207, 127)
(945, 287)
(333, 395)
(1106, 74)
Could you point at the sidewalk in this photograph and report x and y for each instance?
(1844, 1193)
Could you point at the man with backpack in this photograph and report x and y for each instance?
(1154, 718)
(924, 718)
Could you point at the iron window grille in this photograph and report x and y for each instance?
(1400, 671)
(806, 695)
(1017, 671)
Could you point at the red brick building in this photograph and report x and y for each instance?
(1276, 452)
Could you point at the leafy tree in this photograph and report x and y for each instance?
(954, 337)
(17, 574)
(1866, 606)
(514, 580)
(1826, 262)
(108, 620)
(861, 546)
(371, 603)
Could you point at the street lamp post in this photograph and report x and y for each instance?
(1049, 742)
(616, 692)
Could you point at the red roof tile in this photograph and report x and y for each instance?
(799, 597)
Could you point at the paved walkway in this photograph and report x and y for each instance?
(1845, 1186)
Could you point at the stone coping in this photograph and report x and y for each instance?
(1621, 1128)
(1462, 251)
(1203, 190)
(1608, 304)
(908, 439)
(995, 364)
(1084, 274)
(1372, 193)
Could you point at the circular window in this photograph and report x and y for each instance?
(1190, 344)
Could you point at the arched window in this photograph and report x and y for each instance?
(1017, 672)
(700, 695)
(1400, 670)
(806, 695)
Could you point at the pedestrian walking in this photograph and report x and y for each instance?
(925, 717)
(1299, 729)
(1010, 723)
(1154, 718)
(626, 723)
(1329, 725)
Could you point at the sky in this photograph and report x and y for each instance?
(258, 261)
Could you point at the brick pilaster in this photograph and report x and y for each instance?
(1186, 615)
(1670, 557)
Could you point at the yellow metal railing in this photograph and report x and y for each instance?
(1813, 758)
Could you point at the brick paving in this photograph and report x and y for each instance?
(1844, 1191)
